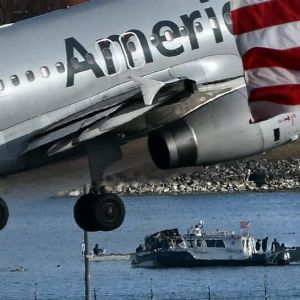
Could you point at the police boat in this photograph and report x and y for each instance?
(167, 248)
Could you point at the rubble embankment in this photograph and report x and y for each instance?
(262, 175)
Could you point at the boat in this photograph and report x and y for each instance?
(109, 257)
(167, 248)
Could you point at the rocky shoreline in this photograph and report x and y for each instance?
(240, 176)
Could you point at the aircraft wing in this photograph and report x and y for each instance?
(132, 118)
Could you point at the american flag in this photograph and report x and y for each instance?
(244, 224)
(268, 39)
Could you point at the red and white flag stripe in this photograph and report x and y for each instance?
(244, 224)
(268, 38)
(241, 3)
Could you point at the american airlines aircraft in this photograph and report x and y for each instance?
(88, 79)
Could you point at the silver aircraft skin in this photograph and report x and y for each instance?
(63, 72)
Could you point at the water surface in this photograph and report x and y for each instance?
(43, 238)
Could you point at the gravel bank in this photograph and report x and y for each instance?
(250, 175)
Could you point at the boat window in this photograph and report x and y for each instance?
(190, 243)
(29, 76)
(215, 243)
(210, 243)
(45, 72)
(1, 85)
(220, 244)
(15, 80)
(199, 243)
(60, 67)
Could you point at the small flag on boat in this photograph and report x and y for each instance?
(267, 33)
(244, 224)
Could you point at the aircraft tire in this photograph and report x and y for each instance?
(99, 212)
(4, 214)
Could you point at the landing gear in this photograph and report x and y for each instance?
(3, 214)
(99, 212)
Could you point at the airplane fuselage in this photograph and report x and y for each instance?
(56, 65)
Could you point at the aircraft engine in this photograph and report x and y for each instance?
(219, 131)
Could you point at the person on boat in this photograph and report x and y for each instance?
(197, 230)
(82, 248)
(257, 245)
(139, 248)
(264, 244)
(275, 246)
(282, 246)
(96, 250)
(181, 243)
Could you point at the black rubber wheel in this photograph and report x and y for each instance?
(4, 214)
(82, 211)
(104, 212)
(109, 212)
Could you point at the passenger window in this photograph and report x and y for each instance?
(15, 80)
(60, 67)
(198, 27)
(228, 19)
(45, 72)
(29, 76)
(75, 63)
(213, 23)
(199, 243)
(107, 53)
(169, 35)
(131, 46)
(90, 58)
(183, 31)
(110, 51)
(135, 59)
(154, 40)
(2, 85)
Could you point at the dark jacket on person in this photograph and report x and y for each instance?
(264, 244)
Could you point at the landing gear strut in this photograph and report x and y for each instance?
(98, 210)
(3, 214)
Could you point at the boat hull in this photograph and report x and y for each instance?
(171, 259)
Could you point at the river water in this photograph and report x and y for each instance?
(42, 238)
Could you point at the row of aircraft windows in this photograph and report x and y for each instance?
(107, 53)
(45, 72)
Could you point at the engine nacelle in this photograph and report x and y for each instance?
(220, 131)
